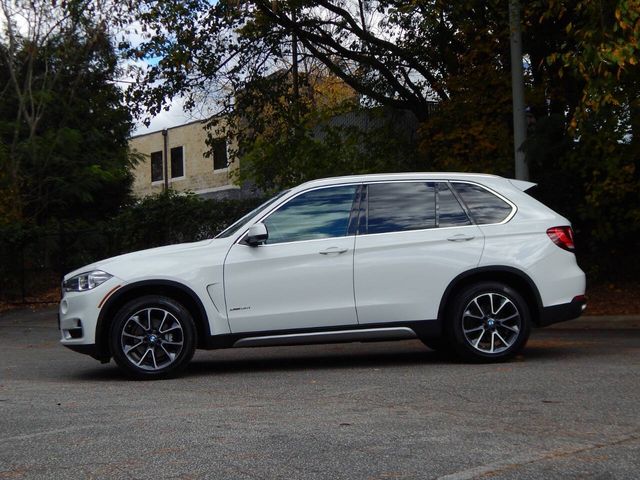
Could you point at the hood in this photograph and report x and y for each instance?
(165, 260)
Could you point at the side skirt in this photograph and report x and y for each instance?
(341, 334)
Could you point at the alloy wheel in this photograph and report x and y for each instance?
(491, 323)
(152, 338)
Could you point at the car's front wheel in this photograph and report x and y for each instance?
(152, 337)
(488, 321)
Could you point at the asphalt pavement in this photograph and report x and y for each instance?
(566, 408)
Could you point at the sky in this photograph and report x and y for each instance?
(176, 115)
(165, 119)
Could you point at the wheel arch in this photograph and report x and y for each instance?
(510, 276)
(175, 290)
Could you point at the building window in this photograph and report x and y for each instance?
(220, 160)
(156, 167)
(177, 162)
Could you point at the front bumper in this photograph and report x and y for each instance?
(563, 312)
(78, 315)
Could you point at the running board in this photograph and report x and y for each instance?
(337, 336)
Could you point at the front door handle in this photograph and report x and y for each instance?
(461, 237)
(333, 251)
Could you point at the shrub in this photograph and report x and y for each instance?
(33, 258)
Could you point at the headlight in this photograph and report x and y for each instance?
(85, 281)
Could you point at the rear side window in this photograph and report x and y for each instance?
(450, 212)
(401, 206)
(483, 205)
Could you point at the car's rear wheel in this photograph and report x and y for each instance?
(152, 337)
(488, 322)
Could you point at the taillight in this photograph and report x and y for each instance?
(563, 237)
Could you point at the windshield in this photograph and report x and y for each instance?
(240, 223)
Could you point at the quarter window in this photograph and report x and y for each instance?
(322, 213)
(401, 206)
(156, 166)
(483, 205)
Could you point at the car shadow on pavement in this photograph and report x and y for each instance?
(273, 359)
(296, 362)
(314, 362)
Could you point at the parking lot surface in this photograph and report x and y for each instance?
(566, 408)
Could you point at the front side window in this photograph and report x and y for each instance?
(238, 224)
(177, 162)
(156, 166)
(401, 206)
(322, 213)
(483, 205)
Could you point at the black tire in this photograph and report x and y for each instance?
(488, 322)
(152, 337)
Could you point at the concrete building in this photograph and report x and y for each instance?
(175, 158)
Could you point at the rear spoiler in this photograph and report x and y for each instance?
(522, 185)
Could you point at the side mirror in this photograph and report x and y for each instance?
(257, 234)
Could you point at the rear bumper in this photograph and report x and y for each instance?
(562, 312)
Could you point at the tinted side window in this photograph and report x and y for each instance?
(320, 213)
(483, 205)
(450, 212)
(401, 206)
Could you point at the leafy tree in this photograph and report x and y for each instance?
(585, 148)
(471, 130)
(63, 124)
(393, 54)
(582, 85)
(339, 145)
(323, 133)
(377, 48)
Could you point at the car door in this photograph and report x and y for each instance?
(413, 239)
(302, 277)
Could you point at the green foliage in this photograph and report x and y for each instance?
(471, 132)
(63, 124)
(582, 84)
(376, 47)
(585, 148)
(34, 257)
(170, 217)
(602, 48)
(324, 146)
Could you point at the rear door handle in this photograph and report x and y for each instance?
(461, 237)
(333, 251)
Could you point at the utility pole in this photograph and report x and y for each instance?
(165, 160)
(517, 88)
(294, 71)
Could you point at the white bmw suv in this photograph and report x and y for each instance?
(467, 263)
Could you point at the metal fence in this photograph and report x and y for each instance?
(32, 262)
